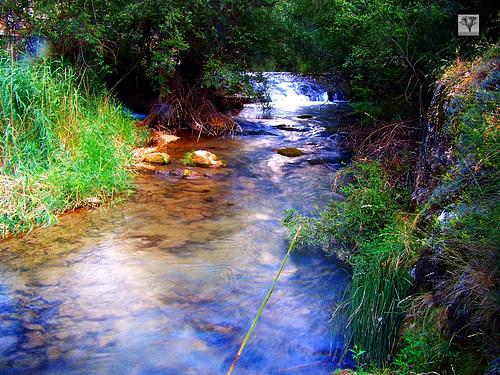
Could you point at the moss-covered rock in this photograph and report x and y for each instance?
(290, 152)
(202, 158)
(157, 158)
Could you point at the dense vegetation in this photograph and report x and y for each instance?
(61, 147)
(388, 51)
(425, 264)
(412, 210)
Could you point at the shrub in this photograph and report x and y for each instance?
(424, 346)
(368, 206)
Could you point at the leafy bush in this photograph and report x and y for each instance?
(368, 206)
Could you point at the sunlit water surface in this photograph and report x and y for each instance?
(169, 281)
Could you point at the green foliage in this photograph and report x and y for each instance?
(424, 347)
(390, 51)
(368, 206)
(188, 159)
(357, 355)
(58, 146)
(469, 242)
(202, 42)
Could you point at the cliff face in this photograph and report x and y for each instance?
(457, 192)
(445, 149)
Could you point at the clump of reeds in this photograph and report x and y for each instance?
(60, 146)
(377, 301)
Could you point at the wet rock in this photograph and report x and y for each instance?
(161, 138)
(305, 116)
(144, 168)
(53, 353)
(291, 128)
(157, 158)
(253, 128)
(202, 158)
(27, 362)
(290, 152)
(191, 175)
(259, 132)
(105, 341)
(325, 160)
(200, 345)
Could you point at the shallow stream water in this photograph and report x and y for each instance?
(169, 281)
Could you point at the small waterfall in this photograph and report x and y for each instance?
(293, 89)
(289, 89)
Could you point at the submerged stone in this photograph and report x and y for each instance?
(157, 158)
(290, 128)
(161, 139)
(290, 152)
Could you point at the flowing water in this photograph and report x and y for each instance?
(169, 281)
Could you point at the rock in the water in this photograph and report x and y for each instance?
(191, 175)
(34, 339)
(157, 158)
(290, 128)
(290, 152)
(202, 158)
(305, 116)
(160, 138)
(144, 168)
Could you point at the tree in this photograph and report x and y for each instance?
(469, 21)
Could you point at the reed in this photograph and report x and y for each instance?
(264, 302)
(61, 146)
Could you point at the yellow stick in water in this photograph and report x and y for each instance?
(264, 303)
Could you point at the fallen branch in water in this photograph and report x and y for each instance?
(264, 303)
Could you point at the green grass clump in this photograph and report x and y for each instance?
(381, 283)
(59, 144)
(424, 346)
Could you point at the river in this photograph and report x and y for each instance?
(169, 281)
